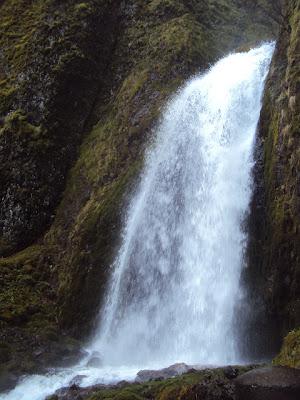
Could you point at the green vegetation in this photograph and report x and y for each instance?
(23, 282)
(18, 26)
(289, 355)
(175, 388)
(27, 310)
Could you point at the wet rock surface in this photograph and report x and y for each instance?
(40, 355)
(165, 373)
(179, 381)
(269, 383)
(94, 360)
(274, 250)
(7, 380)
(77, 380)
(74, 392)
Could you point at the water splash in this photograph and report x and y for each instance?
(176, 277)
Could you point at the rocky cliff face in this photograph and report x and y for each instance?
(274, 250)
(82, 84)
(50, 69)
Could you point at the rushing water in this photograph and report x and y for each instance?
(176, 279)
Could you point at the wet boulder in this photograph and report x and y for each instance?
(269, 383)
(94, 360)
(77, 380)
(165, 373)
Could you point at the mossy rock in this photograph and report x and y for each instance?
(289, 355)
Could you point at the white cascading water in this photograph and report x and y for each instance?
(176, 279)
(177, 274)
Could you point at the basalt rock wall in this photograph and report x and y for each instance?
(274, 250)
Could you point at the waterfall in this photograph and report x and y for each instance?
(175, 284)
(176, 278)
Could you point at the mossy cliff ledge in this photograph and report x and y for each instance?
(274, 251)
(82, 84)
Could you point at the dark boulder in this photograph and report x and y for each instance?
(230, 372)
(7, 380)
(270, 383)
(77, 380)
(214, 389)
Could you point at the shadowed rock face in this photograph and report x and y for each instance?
(271, 383)
(273, 269)
(50, 65)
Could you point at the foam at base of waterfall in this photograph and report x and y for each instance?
(37, 387)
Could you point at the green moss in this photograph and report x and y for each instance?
(22, 300)
(162, 7)
(18, 24)
(160, 390)
(17, 123)
(82, 7)
(289, 355)
(270, 144)
(23, 257)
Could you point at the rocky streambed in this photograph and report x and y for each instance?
(184, 382)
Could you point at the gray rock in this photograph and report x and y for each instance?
(77, 380)
(122, 384)
(270, 383)
(165, 373)
(230, 372)
(94, 360)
